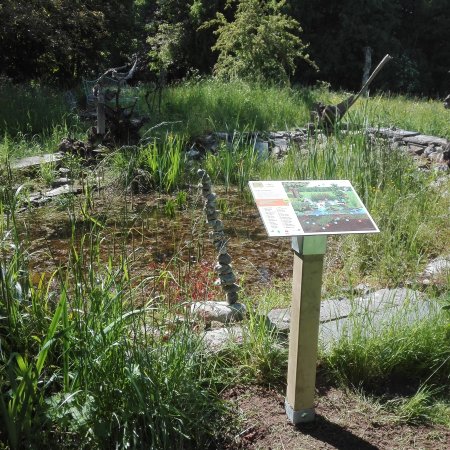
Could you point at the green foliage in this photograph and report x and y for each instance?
(260, 356)
(93, 365)
(259, 44)
(213, 105)
(371, 352)
(62, 40)
(156, 165)
(31, 109)
(424, 407)
(165, 46)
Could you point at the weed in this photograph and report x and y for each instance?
(169, 208)
(181, 199)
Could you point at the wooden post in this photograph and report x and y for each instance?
(101, 117)
(304, 332)
(367, 67)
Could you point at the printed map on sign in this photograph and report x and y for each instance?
(295, 208)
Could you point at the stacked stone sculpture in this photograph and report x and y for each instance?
(227, 278)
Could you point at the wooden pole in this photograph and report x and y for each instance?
(304, 332)
(101, 116)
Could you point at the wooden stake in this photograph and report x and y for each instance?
(304, 332)
(101, 116)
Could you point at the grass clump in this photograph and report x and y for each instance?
(425, 406)
(374, 353)
(31, 109)
(84, 365)
(260, 356)
(401, 359)
(157, 165)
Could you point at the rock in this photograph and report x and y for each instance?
(374, 322)
(223, 136)
(438, 266)
(227, 278)
(280, 319)
(436, 157)
(361, 289)
(223, 268)
(65, 189)
(216, 340)
(224, 259)
(425, 140)
(416, 149)
(217, 236)
(367, 315)
(232, 297)
(60, 181)
(221, 247)
(33, 162)
(335, 309)
(216, 225)
(231, 288)
(219, 311)
(193, 153)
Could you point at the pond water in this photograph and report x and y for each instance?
(158, 238)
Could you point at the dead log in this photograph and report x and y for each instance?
(328, 116)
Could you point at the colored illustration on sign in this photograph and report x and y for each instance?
(295, 208)
(328, 207)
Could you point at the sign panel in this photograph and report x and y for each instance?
(304, 208)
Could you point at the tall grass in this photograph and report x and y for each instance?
(211, 105)
(403, 358)
(259, 357)
(81, 363)
(373, 351)
(159, 165)
(410, 213)
(30, 109)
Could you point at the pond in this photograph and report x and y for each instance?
(159, 240)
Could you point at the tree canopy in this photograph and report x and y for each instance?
(259, 43)
(60, 41)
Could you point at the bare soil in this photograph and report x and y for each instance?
(344, 421)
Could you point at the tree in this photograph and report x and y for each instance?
(62, 40)
(261, 43)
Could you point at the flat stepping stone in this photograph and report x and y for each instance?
(366, 315)
(374, 322)
(32, 162)
(337, 315)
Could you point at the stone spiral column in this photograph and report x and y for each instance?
(227, 278)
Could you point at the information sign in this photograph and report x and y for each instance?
(308, 211)
(305, 208)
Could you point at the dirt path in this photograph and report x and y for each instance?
(344, 421)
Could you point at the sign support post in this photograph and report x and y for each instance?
(309, 253)
(308, 211)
